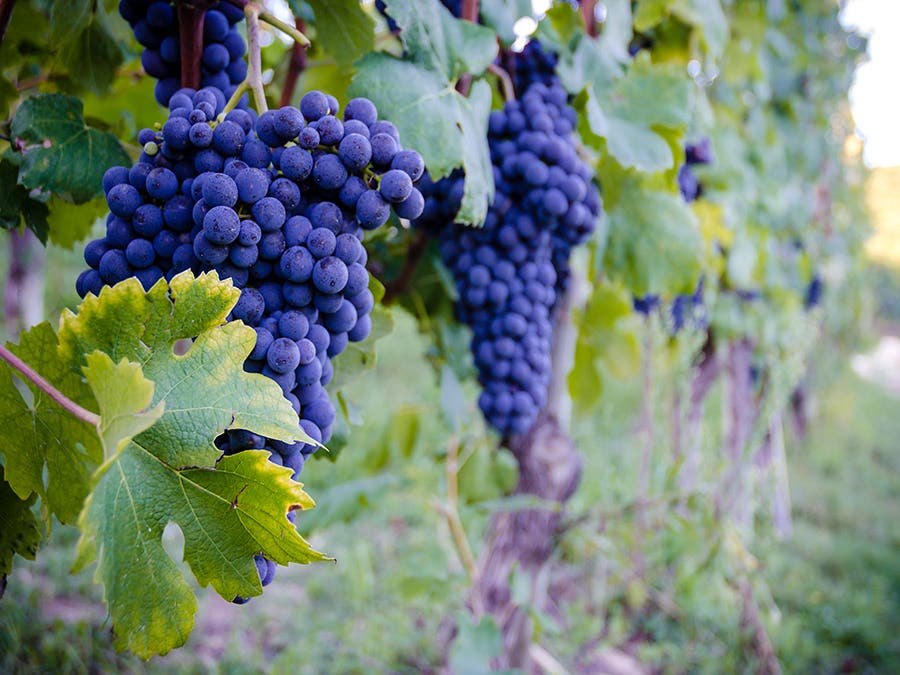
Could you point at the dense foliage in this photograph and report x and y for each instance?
(632, 188)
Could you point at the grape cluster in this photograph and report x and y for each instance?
(278, 203)
(534, 64)
(688, 182)
(155, 26)
(508, 273)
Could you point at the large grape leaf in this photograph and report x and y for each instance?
(417, 94)
(70, 223)
(227, 514)
(654, 243)
(19, 529)
(704, 15)
(127, 322)
(61, 153)
(606, 337)
(345, 30)
(630, 118)
(38, 435)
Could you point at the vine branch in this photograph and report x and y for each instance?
(589, 14)
(468, 12)
(190, 39)
(38, 380)
(296, 66)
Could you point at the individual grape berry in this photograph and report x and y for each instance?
(283, 356)
(329, 275)
(396, 185)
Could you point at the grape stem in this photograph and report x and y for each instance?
(254, 46)
(285, 28)
(235, 98)
(38, 381)
(295, 67)
(191, 16)
(6, 10)
(450, 511)
(506, 84)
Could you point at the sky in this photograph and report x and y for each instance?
(875, 95)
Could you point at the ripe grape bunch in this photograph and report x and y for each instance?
(279, 203)
(155, 26)
(510, 272)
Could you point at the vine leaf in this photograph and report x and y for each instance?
(16, 206)
(417, 94)
(344, 28)
(36, 434)
(633, 118)
(127, 322)
(227, 515)
(654, 253)
(62, 154)
(606, 335)
(19, 529)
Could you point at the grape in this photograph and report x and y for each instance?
(252, 185)
(123, 200)
(372, 210)
(296, 163)
(329, 275)
(355, 151)
(314, 105)
(249, 307)
(139, 253)
(283, 356)
(219, 190)
(396, 185)
(510, 272)
(221, 225)
(269, 213)
(410, 162)
(329, 173)
(384, 147)
(161, 183)
(321, 242)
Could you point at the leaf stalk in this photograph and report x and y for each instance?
(41, 383)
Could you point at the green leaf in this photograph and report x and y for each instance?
(439, 42)
(345, 30)
(654, 243)
(502, 15)
(127, 323)
(124, 396)
(417, 94)
(606, 338)
(93, 57)
(68, 19)
(37, 435)
(70, 223)
(636, 112)
(19, 529)
(227, 515)
(62, 154)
